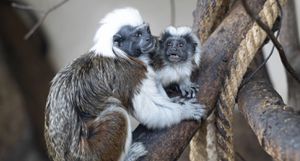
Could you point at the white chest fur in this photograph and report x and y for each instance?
(174, 73)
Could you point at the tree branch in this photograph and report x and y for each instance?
(207, 17)
(43, 17)
(276, 125)
(24, 7)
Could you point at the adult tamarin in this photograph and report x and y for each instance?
(89, 102)
(177, 55)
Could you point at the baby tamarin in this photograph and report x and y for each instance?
(177, 55)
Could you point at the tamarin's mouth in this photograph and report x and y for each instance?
(174, 57)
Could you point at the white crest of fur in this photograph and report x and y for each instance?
(183, 31)
(110, 25)
(178, 31)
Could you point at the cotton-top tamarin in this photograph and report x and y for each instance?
(177, 56)
(88, 107)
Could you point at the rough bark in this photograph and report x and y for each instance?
(217, 52)
(29, 67)
(246, 145)
(276, 125)
(207, 16)
(290, 42)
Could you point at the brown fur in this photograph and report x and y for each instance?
(87, 103)
(157, 61)
(107, 134)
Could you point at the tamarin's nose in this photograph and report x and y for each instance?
(173, 49)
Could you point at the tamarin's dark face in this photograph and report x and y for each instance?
(177, 49)
(135, 40)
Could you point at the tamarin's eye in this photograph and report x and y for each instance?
(181, 45)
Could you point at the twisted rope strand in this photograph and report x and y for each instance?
(242, 58)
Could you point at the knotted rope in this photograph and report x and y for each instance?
(242, 57)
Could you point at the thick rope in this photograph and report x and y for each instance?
(238, 66)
